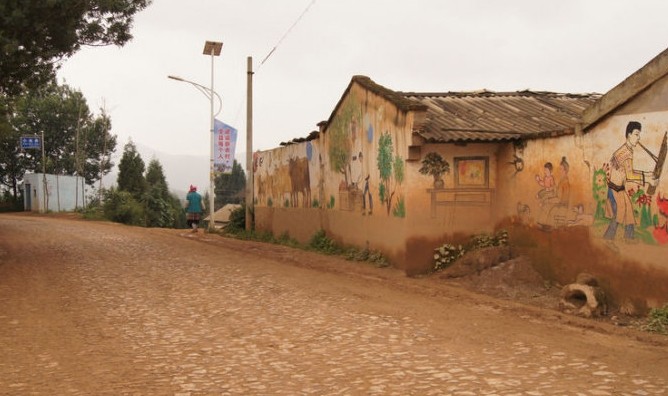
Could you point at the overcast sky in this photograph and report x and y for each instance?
(570, 46)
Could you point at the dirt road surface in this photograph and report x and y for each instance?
(93, 308)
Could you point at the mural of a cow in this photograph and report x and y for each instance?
(300, 180)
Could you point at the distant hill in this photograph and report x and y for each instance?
(180, 170)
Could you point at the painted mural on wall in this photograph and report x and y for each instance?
(391, 168)
(627, 204)
(346, 155)
(554, 197)
(350, 168)
(552, 205)
(434, 165)
(467, 185)
(352, 141)
(630, 190)
(283, 177)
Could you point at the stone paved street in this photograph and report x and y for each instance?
(92, 308)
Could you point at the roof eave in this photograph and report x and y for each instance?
(394, 97)
(626, 90)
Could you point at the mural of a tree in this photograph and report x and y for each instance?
(340, 147)
(398, 169)
(389, 167)
(433, 164)
(399, 208)
(600, 191)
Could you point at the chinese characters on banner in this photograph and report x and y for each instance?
(225, 140)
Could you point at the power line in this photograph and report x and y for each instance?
(286, 33)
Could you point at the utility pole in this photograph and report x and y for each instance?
(249, 144)
(104, 149)
(44, 186)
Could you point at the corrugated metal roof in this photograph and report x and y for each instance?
(496, 116)
(480, 116)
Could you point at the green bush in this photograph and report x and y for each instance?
(657, 320)
(286, 240)
(367, 255)
(178, 214)
(321, 243)
(485, 240)
(447, 254)
(93, 213)
(121, 207)
(237, 222)
(9, 203)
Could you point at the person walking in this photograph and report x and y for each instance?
(194, 208)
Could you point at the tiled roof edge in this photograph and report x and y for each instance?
(397, 98)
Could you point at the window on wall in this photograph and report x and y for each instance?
(472, 172)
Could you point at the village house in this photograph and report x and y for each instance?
(403, 173)
(54, 193)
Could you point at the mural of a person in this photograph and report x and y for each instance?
(619, 208)
(555, 202)
(547, 182)
(321, 181)
(366, 194)
(356, 170)
(564, 185)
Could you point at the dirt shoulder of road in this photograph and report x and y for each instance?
(514, 288)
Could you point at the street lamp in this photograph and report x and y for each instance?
(211, 48)
(205, 90)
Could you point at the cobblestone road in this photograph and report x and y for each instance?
(97, 309)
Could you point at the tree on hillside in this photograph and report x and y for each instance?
(36, 35)
(75, 141)
(131, 172)
(155, 177)
(162, 208)
(95, 145)
(142, 200)
(231, 187)
(12, 164)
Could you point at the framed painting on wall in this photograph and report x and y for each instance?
(472, 172)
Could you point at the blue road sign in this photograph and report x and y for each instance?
(30, 142)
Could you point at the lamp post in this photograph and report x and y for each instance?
(211, 48)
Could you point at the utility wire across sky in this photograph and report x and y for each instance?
(286, 33)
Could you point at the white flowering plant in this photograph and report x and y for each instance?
(447, 254)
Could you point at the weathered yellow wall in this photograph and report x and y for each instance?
(454, 212)
(335, 178)
(365, 192)
(566, 233)
(320, 184)
(462, 208)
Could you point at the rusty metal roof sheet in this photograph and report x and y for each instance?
(480, 116)
(495, 116)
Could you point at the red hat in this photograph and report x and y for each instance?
(193, 188)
